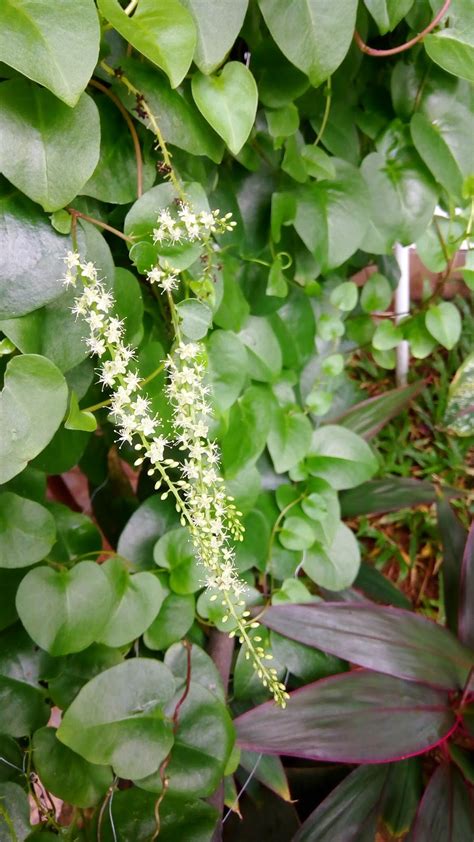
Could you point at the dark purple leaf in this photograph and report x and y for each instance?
(466, 593)
(389, 495)
(446, 812)
(368, 417)
(379, 588)
(381, 638)
(385, 794)
(350, 811)
(453, 537)
(357, 717)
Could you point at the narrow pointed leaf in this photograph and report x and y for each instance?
(453, 539)
(385, 639)
(446, 811)
(389, 495)
(466, 596)
(368, 417)
(358, 717)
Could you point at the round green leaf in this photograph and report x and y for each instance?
(263, 348)
(341, 457)
(289, 439)
(23, 707)
(314, 35)
(227, 368)
(297, 533)
(421, 341)
(228, 102)
(387, 336)
(66, 774)
(118, 718)
(27, 531)
(162, 30)
(14, 812)
(444, 323)
(32, 40)
(453, 50)
(173, 622)
(180, 818)
(403, 197)
(249, 425)
(344, 296)
(199, 753)
(30, 265)
(77, 670)
(64, 611)
(195, 318)
(175, 552)
(151, 520)
(137, 600)
(32, 405)
(48, 150)
(334, 567)
(376, 293)
(218, 25)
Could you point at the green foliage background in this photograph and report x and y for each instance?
(326, 158)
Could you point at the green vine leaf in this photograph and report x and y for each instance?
(65, 611)
(32, 41)
(32, 405)
(228, 102)
(41, 137)
(162, 30)
(27, 531)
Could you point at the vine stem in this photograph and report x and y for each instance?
(78, 214)
(142, 103)
(327, 109)
(175, 720)
(371, 51)
(126, 116)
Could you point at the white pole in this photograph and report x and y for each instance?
(402, 308)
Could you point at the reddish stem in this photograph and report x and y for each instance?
(371, 51)
(133, 132)
(75, 213)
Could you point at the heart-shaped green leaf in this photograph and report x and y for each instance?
(199, 754)
(66, 774)
(228, 102)
(32, 405)
(40, 138)
(163, 30)
(23, 707)
(218, 25)
(175, 552)
(118, 718)
(314, 35)
(444, 323)
(289, 439)
(77, 419)
(64, 611)
(138, 599)
(27, 531)
(32, 40)
(334, 567)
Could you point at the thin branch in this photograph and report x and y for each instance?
(144, 110)
(371, 51)
(77, 214)
(126, 116)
